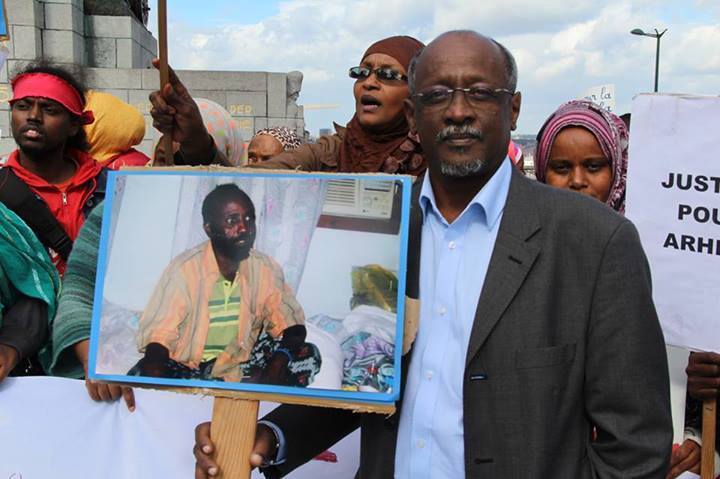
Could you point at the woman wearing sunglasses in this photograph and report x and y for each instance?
(377, 138)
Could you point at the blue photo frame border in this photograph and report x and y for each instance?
(333, 395)
(4, 25)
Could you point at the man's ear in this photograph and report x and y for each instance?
(515, 106)
(75, 126)
(409, 109)
(206, 227)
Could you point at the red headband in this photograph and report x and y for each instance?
(45, 85)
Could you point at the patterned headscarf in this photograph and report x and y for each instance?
(610, 132)
(287, 137)
(223, 128)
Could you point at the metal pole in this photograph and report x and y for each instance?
(657, 60)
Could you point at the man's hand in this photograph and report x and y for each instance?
(9, 358)
(703, 373)
(154, 363)
(110, 393)
(276, 371)
(153, 369)
(174, 112)
(685, 458)
(204, 450)
(99, 391)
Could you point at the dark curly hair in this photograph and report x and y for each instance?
(222, 195)
(75, 78)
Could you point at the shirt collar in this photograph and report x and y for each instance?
(490, 199)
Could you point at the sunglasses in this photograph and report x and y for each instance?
(382, 74)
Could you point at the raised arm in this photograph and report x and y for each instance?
(175, 113)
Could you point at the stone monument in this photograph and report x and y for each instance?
(108, 40)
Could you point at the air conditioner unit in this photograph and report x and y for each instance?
(359, 198)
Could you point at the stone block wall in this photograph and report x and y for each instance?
(118, 42)
(116, 52)
(246, 95)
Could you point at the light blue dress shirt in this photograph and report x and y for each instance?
(453, 264)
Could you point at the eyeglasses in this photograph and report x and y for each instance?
(382, 74)
(476, 96)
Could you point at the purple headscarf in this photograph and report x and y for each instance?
(610, 132)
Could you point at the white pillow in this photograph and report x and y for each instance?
(331, 370)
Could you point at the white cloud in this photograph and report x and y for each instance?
(562, 48)
(198, 41)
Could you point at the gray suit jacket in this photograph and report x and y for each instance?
(566, 338)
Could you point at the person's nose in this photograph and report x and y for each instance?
(35, 113)
(371, 82)
(241, 226)
(459, 111)
(578, 179)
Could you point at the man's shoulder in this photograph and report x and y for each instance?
(188, 258)
(567, 209)
(263, 260)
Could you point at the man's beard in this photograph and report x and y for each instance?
(33, 149)
(463, 169)
(228, 247)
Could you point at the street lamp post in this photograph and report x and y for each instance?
(657, 35)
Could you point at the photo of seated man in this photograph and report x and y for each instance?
(223, 311)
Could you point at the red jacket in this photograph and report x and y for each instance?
(66, 206)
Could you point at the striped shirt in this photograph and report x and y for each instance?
(177, 315)
(224, 308)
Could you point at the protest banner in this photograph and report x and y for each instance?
(673, 198)
(108, 441)
(338, 290)
(602, 95)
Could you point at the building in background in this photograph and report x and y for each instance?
(106, 38)
(527, 144)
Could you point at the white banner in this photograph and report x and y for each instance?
(50, 428)
(673, 197)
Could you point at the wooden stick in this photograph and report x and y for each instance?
(233, 433)
(707, 470)
(164, 72)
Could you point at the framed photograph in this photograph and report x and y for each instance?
(232, 281)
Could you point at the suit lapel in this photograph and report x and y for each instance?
(513, 256)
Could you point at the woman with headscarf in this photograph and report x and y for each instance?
(270, 142)
(584, 148)
(377, 138)
(29, 285)
(222, 128)
(117, 128)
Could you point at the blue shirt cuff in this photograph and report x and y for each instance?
(280, 437)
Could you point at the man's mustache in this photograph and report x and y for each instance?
(454, 131)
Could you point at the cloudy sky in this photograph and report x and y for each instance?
(562, 47)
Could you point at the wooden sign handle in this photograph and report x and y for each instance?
(233, 434)
(164, 72)
(707, 468)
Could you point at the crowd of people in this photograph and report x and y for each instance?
(553, 363)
